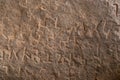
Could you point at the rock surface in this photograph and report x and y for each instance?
(59, 39)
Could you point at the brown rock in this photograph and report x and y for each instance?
(59, 39)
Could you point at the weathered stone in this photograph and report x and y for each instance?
(59, 39)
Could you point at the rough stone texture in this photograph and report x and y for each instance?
(59, 39)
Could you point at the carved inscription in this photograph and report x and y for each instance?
(117, 9)
(59, 39)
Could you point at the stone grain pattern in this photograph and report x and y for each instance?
(59, 39)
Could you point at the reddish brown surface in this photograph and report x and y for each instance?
(59, 40)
